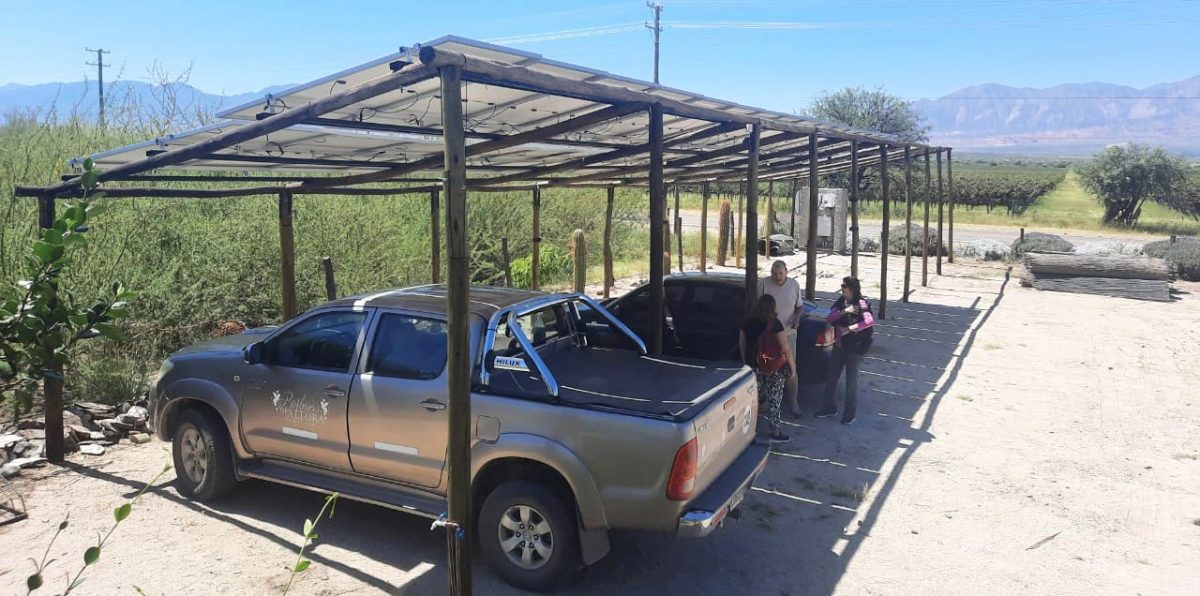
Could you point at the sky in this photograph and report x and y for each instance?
(771, 54)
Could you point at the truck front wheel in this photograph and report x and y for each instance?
(529, 536)
(203, 460)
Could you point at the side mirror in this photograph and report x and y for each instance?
(253, 353)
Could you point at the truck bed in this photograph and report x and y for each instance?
(677, 388)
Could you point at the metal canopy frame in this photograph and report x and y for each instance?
(481, 117)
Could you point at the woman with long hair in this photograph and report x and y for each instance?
(852, 322)
(763, 344)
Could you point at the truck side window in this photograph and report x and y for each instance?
(539, 327)
(408, 348)
(323, 341)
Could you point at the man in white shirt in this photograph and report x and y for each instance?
(790, 307)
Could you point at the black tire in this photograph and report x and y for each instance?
(203, 457)
(546, 573)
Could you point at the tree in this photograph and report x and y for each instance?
(875, 110)
(1125, 177)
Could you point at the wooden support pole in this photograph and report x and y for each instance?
(535, 257)
(704, 227)
(458, 348)
(507, 264)
(770, 224)
(678, 229)
(579, 244)
(925, 240)
(330, 284)
(950, 183)
(658, 205)
(810, 270)
(941, 198)
(287, 250)
(741, 225)
(854, 209)
(435, 238)
(795, 188)
(884, 232)
(907, 222)
(752, 219)
(52, 381)
(609, 278)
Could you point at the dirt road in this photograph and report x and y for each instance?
(1009, 442)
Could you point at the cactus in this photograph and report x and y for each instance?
(724, 231)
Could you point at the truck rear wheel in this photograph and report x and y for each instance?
(203, 460)
(528, 535)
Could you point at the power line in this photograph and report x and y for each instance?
(99, 64)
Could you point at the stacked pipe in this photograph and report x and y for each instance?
(1139, 278)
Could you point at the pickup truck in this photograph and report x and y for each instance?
(569, 439)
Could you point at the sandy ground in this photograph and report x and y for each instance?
(1009, 441)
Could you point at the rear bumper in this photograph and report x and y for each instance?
(706, 512)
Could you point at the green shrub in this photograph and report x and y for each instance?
(916, 236)
(1158, 249)
(554, 266)
(1185, 256)
(1039, 242)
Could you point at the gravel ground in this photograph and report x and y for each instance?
(1009, 441)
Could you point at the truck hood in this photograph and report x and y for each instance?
(228, 343)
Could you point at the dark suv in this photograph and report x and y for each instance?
(704, 312)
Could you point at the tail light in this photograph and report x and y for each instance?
(682, 481)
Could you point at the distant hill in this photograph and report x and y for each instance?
(81, 96)
(1066, 119)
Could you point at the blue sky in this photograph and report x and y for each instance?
(914, 48)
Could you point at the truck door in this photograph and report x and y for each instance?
(294, 402)
(398, 417)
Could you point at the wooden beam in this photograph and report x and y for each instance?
(458, 348)
(907, 222)
(330, 284)
(609, 278)
(658, 203)
(752, 220)
(925, 240)
(506, 263)
(741, 226)
(287, 251)
(854, 209)
(535, 258)
(435, 238)
(885, 183)
(52, 384)
(810, 273)
(678, 230)
(950, 184)
(408, 75)
(793, 202)
(940, 198)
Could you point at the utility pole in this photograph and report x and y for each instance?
(657, 29)
(99, 64)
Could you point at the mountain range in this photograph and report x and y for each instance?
(1069, 119)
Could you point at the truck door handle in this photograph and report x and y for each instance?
(333, 392)
(433, 405)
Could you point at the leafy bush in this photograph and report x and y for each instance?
(916, 237)
(1040, 242)
(554, 266)
(1158, 249)
(1185, 256)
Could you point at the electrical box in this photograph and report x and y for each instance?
(832, 210)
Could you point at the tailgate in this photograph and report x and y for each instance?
(725, 428)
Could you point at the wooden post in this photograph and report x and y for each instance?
(907, 222)
(795, 188)
(535, 258)
(580, 246)
(854, 208)
(752, 218)
(435, 238)
(658, 205)
(609, 280)
(770, 227)
(884, 232)
(287, 249)
(678, 229)
(461, 534)
(52, 381)
(941, 197)
(1022, 240)
(810, 272)
(741, 225)
(330, 285)
(950, 184)
(507, 264)
(704, 227)
(925, 240)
